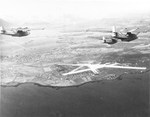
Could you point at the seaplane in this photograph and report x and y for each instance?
(17, 32)
(123, 35)
(94, 67)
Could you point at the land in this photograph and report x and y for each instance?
(35, 58)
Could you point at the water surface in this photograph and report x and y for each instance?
(128, 97)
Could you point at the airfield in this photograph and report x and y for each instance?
(36, 58)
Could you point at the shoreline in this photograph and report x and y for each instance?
(78, 85)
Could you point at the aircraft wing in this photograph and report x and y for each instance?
(142, 29)
(135, 31)
(123, 31)
(7, 33)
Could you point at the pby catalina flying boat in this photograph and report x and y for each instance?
(123, 35)
(94, 67)
(17, 32)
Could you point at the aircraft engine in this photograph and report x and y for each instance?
(109, 41)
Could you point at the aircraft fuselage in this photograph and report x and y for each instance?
(126, 37)
(19, 33)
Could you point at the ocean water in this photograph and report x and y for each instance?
(127, 96)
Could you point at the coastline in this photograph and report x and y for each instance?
(16, 84)
(127, 96)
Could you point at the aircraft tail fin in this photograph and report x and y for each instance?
(114, 32)
(104, 39)
(113, 29)
(2, 30)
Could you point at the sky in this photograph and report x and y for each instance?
(30, 10)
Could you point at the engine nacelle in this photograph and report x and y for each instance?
(109, 41)
(114, 34)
